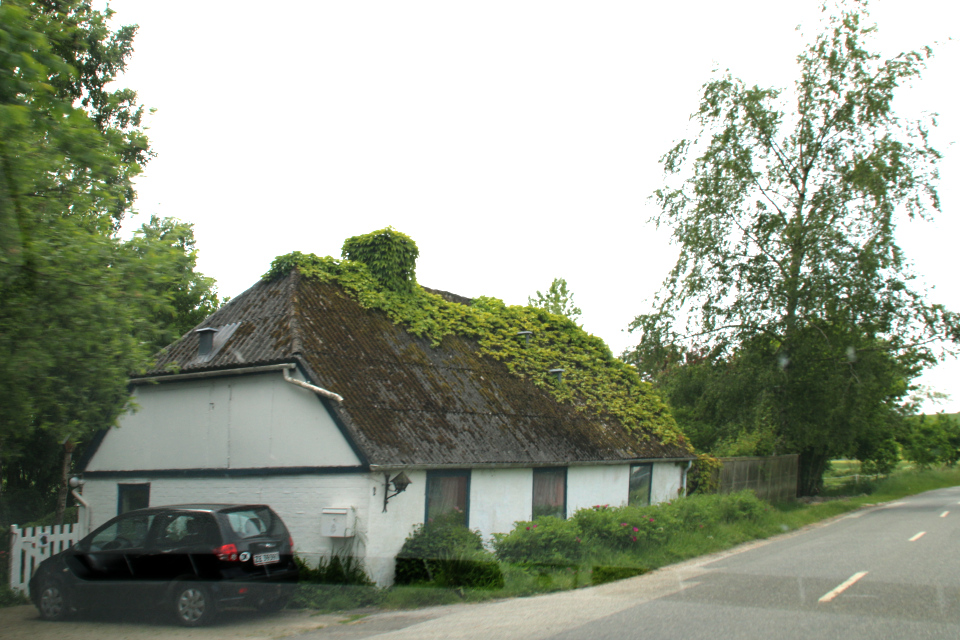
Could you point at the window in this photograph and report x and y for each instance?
(640, 475)
(448, 496)
(550, 493)
(249, 523)
(122, 533)
(132, 496)
(187, 529)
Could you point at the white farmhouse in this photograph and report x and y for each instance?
(294, 395)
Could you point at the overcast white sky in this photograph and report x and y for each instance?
(515, 141)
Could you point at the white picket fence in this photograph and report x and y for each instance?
(30, 546)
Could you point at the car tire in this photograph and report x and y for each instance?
(192, 604)
(53, 603)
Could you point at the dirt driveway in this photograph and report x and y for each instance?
(23, 623)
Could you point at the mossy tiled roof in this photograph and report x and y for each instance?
(406, 402)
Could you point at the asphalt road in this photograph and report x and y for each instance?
(891, 571)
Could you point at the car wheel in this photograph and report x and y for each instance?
(53, 603)
(193, 604)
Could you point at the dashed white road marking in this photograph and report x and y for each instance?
(843, 586)
(944, 514)
(918, 536)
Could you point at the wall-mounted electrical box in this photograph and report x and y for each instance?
(338, 522)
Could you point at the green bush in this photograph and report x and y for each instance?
(737, 507)
(546, 541)
(446, 554)
(335, 569)
(598, 531)
(625, 528)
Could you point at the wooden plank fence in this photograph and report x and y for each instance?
(771, 477)
(30, 546)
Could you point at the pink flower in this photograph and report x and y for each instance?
(528, 528)
(624, 524)
(651, 519)
(534, 526)
(634, 538)
(578, 539)
(636, 529)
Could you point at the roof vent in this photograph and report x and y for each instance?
(559, 374)
(206, 340)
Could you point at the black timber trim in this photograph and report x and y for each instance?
(226, 473)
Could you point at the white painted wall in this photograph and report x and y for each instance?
(601, 484)
(232, 422)
(498, 498)
(388, 530)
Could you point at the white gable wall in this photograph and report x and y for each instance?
(234, 422)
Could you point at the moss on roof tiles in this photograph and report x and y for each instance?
(594, 382)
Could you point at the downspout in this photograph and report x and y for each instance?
(306, 385)
(685, 472)
(86, 505)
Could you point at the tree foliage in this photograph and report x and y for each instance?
(789, 279)
(80, 309)
(558, 299)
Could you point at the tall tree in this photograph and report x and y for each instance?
(80, 308)
(785, 217)
(558, 299)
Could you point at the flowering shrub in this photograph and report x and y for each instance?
(601, 529)
(544, 541)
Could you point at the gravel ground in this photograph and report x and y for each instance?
(23, 623)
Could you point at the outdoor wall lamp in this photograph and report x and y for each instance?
(400, 483)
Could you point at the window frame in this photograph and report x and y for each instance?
(123, 489)
(634, 466)
(434, 474)
(533, 490)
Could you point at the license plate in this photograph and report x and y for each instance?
(266, 558)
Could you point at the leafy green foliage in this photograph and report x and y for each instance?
(790, 285)
(390, 255)
(931, 440)
(334, 569)
(704, 475)
(593, 381)
(557, 300)
(545, 541)
(627, 532)
(81, 309)
(446, 554)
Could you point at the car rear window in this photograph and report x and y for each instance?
(253, 522)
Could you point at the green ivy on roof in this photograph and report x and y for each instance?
(593, 380)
